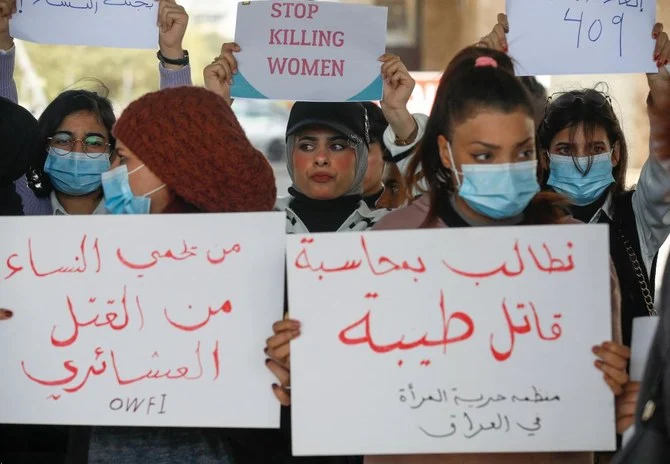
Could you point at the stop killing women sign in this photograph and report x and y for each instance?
(309, 51)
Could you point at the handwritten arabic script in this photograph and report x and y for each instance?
(121, 328)
(92, 5)
(42, 21)
(499, 320)
(472, 416)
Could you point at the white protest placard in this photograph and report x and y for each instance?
(309, 51)
(449, 341)
(142, 320)
(100, 23)
(581, 37)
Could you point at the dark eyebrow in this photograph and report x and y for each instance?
(88, 134)
(490, 146)
(521, 144)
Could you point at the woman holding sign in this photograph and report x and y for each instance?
(75, 143)
(327, 158)
(479, 161)
(584, 156)
(158, 177)
(159, 170)
(328, 147)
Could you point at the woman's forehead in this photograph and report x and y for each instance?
(582, 132)
(497, 125)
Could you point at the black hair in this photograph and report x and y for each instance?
(464, 89)
(65, 104)
(592, 109)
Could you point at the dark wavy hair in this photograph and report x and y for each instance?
(65, 104)
(592, 109)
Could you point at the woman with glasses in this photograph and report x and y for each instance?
(75, 144)
(75, 148)
(217, 172)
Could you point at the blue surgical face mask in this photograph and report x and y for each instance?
(119, 198)
(498, 191)
(582, 189)
(75, 173)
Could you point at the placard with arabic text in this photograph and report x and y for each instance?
(142, 320)
(449, 341)
(100, 23)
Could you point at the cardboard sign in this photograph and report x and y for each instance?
(309, 51)
(578, 37)
(448, 341)
(101, 23)
(142, 320)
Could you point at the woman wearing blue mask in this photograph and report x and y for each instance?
(479, 161)
(162, 168)
(584, 156)
(75, 148)
(75, 144)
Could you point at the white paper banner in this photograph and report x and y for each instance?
(101, 23)
(142, 320)
(581, 37)
(448, 341)
(309, 51)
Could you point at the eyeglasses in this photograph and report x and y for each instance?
(94, 146)
(590, 97)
